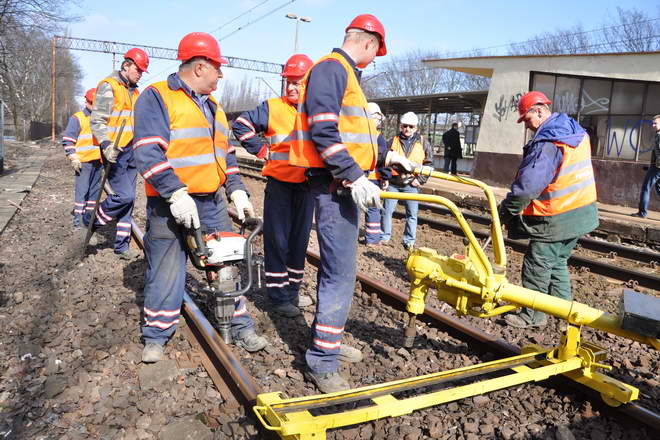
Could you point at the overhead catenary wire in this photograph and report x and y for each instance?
(238, 16)
(240, 28)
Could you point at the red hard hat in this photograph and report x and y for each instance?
(200, 44)
(369, 23)
(90, 94)
(528, 100)
(297, 65)
(139, 57)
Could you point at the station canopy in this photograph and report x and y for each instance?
(454, 102)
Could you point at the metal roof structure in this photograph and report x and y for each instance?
(454, 102)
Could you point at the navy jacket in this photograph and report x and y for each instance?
(71, 132)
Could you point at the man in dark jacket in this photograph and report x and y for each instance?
(552, 200)
(652, 178)
(453, 151)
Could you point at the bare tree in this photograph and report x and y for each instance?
(635, 32)
(245, 95)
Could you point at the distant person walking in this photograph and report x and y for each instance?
(453, 151)
(652, 178)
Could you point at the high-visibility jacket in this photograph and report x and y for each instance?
(197, 152)
(122, 110)
(573, 186)
(87, 148)
(357, 131)
(281, 116)
(417, 154)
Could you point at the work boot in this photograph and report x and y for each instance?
(408, 246)
(349, 354)
(638, 215)
(328, 382)
(152, 352)
(518, 322)
(250, 341)
(128, 254)
(302, 301)
(287, 309)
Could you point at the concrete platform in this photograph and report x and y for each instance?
(17, 182)
(615, 221)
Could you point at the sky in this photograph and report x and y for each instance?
(409, 25)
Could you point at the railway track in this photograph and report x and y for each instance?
(631, 276)
(236, 384)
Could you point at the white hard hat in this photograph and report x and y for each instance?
(410, 119)
(373, 109)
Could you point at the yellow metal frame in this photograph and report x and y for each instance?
(472, 286)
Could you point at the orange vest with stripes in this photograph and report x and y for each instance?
(573, 186)
(357, 131)
(87, 148)
(122, 110)
(281, 116)
(197, 152)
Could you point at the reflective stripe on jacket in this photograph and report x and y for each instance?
(357, 131)
(417, 153)
(87, 148)
(122, 110)
(281, 116)
(573, 186)
(196, 151)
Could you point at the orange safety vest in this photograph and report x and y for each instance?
(357, 131)
(416, 155)
(122, 110)
(197, 154)
(87, 149)
(281, 116)
(573, 186)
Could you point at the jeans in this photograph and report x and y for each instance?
(651, 180)
(450, 162)
(545, 269)
(410, 232)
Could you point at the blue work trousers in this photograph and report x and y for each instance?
(119, 206)
(165, 277)
(337, 233)
(651, 180)
(372, 230)
(87, 187)
(288, 212)
(410, 232)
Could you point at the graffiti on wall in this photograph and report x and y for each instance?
(506, 106)
(591, 105)
(624, 141)
(566, 102)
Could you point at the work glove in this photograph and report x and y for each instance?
(399, 161)
(242, 204)
(263, 152)
(75, 162)
(184, 209)
(110, 152)
(365, 194)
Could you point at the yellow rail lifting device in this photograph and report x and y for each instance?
(473, 286)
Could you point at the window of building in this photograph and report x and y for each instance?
(615, 113)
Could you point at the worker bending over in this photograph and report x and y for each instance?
(82, 149)
(181, 150)
(288, 206)
(336, 141)
(552, 201)
(114, 104)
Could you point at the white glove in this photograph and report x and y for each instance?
(403, 162)
(183, 209)
(75, 162)
(242, 204)
(365, 194)
(111, 153)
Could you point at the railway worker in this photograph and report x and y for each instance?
(114, 104)
(181, 150)
(552, 200)
(288, 206)
(335, 140)
(412, 145)
(373, 233)
(82, 150)
(652, 178)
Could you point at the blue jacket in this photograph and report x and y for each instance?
(152, 121)
(71, 132)
(259, 119)
(540, 162)
(324, 92)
